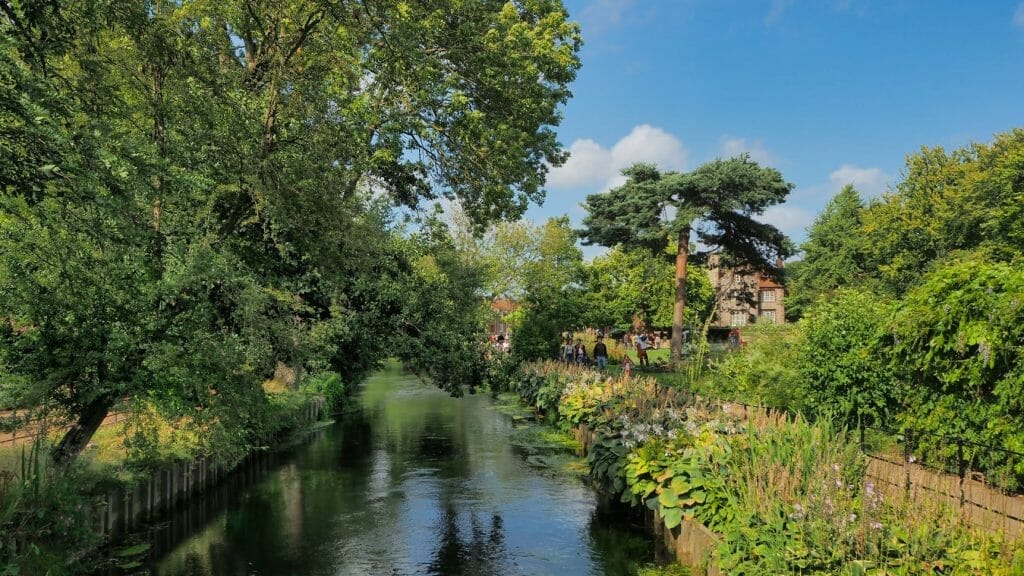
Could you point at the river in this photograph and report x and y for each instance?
(408, 481)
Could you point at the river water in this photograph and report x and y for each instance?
(409, 481)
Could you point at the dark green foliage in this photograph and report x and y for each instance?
(548, 288)
(956, 341)
(724, 196)
(330, 385)
(621, 285)
(842, 361)
(502, 372)
(174, 222)
(192, 194)
(763, 372)
(632, 214)
(833, 255)
(439, 332)
(40, 515)
(538, 334)
(948, 202)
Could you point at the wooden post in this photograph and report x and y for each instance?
(907, 455)
(961, 470)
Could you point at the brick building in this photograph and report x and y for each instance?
(745, 297)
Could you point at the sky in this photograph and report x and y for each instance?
(829, 92)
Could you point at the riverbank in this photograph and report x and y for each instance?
(63, 523)
(412, 481)
(780, 494)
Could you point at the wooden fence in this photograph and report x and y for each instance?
(28, 433)
(125, 509)
(980, 505)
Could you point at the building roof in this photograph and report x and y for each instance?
(503, 305)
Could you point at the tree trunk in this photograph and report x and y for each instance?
(682, 253)
(81, 432)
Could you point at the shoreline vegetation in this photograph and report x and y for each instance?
(783, 494)
(51, 515)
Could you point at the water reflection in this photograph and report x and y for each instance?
(410, 482)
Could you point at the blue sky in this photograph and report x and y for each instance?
(827, 91)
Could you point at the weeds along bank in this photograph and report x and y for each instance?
(784, 496)
(53, 519)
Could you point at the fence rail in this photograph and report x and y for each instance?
(901, 475)
(31, 431)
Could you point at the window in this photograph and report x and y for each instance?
(739, 318)
(768, 295)
(768, 316)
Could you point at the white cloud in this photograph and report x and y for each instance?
(590, 164)
(649, 144)
(1018, 16)
(792, 220)
(732, 147)
(869, 182)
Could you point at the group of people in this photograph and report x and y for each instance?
(575, 352)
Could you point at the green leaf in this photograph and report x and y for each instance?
(668, 498)
(672, 517)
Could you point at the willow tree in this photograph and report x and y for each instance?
(717, 203)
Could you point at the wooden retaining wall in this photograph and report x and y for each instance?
(126, 509)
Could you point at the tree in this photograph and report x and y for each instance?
(844, 372)
(717, 201)
(955, 342)
(834, 253)
(184, 187)
(948, 203)
(624, 284)
(439, 333)
(552, 275)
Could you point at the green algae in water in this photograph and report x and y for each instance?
(542, 446)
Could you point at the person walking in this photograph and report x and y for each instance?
(581, 352)
(568, 352)
(600, 354)
(642, 343)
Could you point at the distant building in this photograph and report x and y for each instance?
(500, 308)
(745, 297)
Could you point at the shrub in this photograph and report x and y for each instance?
(502, 372)
(327, 384)
(957, 340)
(764, 371)
(843, 363)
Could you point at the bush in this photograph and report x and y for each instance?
(843, 359)
(957, 340)
(327, 384)
(764, 371)
(502, 372)
(537, 337)
(46, 519)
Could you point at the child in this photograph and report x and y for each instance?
(627, 365)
